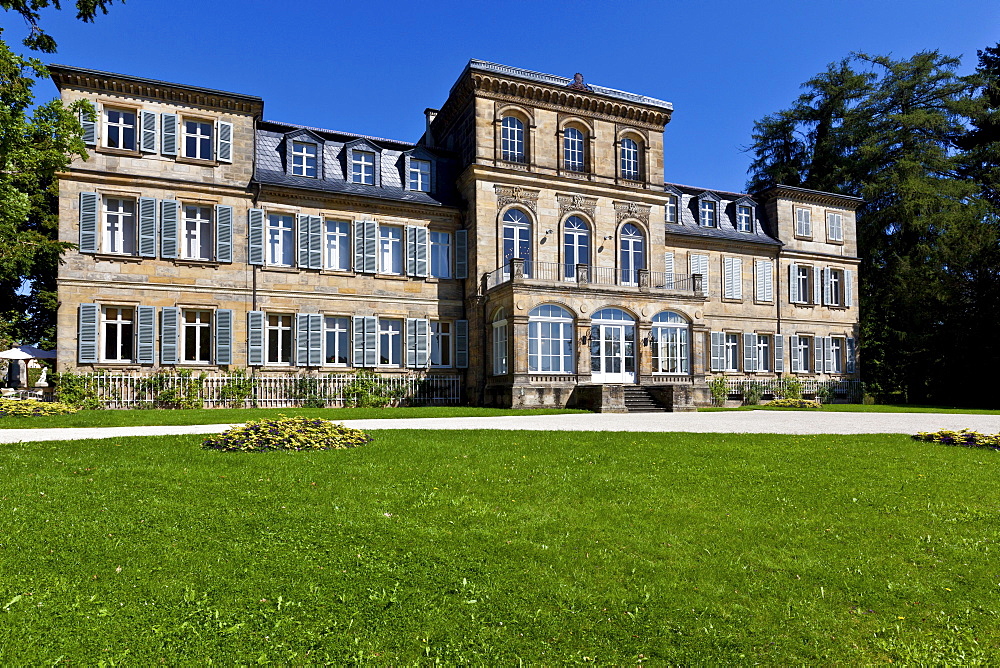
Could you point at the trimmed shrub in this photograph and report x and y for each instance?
(33, 408)
(287, 433)
(966, 438)
(719, 390)
(752, 392)
(794, 403)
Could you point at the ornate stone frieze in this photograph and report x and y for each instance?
(574, 202)
(626, 210)
(516, 195)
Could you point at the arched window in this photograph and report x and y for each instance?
(573, 150)
(499, 342)
(576, 245)
(516, 239)
(512, 139)
(633, 254)
(630, 159)
(550, 340)
(669, 341)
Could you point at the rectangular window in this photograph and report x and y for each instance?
(671, 209)
(363, 168)
(837, 354)
(834, 227)
(420, 175)
(118, 333)
(119, 129)
(337, 342)
(280, 240)
(390, 249)
(803, 223)
(198, 140)
(119, 226)
(338, 245)
(836, 289)
(763, 352)
(706, 211)
(441, 254)
(304, 159)
(390, 342)
(197, 243)
(440, 344)
(198, 336)
(803, 284)
(279, 339)
(744, 218)
(802, 352)
(499, 347)
(732, 352)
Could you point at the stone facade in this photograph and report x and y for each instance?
(527, 241)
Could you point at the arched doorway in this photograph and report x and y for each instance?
(612, 347)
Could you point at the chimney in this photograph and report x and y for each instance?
(430, 114)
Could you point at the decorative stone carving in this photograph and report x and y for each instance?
(516, 195)
(567, 203)
(626, 210)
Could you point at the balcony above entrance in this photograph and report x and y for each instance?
(587, 277)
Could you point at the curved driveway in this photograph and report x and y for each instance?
(751, 422)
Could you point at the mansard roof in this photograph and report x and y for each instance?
(688, 225)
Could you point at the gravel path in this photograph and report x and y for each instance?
(750, 422)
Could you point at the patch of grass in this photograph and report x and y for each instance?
(488, 547)
(133, 418)
(869, 408)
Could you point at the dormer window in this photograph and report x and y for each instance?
(744, 218)
(707, 213)
(363, 168)
(671, 208)
(304, 159)
(420, 175)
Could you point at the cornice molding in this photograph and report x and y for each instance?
(325, 200)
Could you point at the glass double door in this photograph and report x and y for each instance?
(612, 353)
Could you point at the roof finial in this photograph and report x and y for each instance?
(578, 83)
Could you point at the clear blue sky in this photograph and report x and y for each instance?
(372, 67)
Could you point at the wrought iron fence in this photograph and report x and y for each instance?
(584, 274)
(847, 391)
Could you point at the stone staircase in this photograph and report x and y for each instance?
(638, 400)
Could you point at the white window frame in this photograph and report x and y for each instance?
(764, 352)
(337, 248)
(441, 245)
(363, 167)
(804, 280)
(670, 210)
(576, 243)
(630, 151)
(512, 147)
(836, 290)
(390, 250)
(121, 126)
(500, 344)
(200, 330)
(744, 218)
(390, 342)
(831, 235)
(670, 343)
(552, 333)
(838, 348)
(420, 175)
(803, 351)
(732, 352)
(631, 253)
(708, 213)
(281, 240)
(116, 240)
(442, 344)
(803, 222)
(340, 329)
(305, 163)
(199, 137)
(516, 238)
(284, 339)
(197, 233)
(123, 325)
(573, 150)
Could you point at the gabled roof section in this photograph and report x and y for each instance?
(363, 143)
(671, 190)
(688, 225)
(304, 133)
(745, 201)
(708, 194)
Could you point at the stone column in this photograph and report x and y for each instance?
(644, 351)
(699, 334)
(519, 335)
(583, 348)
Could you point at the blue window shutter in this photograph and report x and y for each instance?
(90, 204)
(827, 294)
(359, 246)
(411, 250)
(848, 288)
(255, 338)
(828, 354)
(793, 284)
(302, 235)
(315, 339)
(793, 353)
(90, 127)
(223, 336)
(170, 320)
(223, 233)
(718, 351)
(87, 339)
(462, 344)
(302, 339)
(371, 341)
(750, 352)
(371, 247)
(423, 343)
(421, 252)
(315, 242)
(147, 227)
(852, 352)
(168, 134)
(818, 354)
(255, 231)
(147, 129)
(145, 327)
(462, 254)
(358, 325)
(779, 353)
(169, 224)
(817, 286)
(411, 341)
(224, 141)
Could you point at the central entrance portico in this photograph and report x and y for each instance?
(612, 347)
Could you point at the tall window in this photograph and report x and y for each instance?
(835, 227)
(573, 150)
(198, 336)
(633, 254)
(119, 129)
(803, 223)
(304, 159)
(732, 352)
(440, 343)
(669, 340)
(763, 352)
(802, 282)
(337, 341)
(576, 245)
(516, 239)
(197, 243)
(550, 340)
(363, 167)
(198, 140)
(280, 240)
(801, 351)
(420, 175)
(744, 218)
(499, 342)
(279, 339)
(390, 249)
(338, 245)
(837, 354)
(671, 209)
(512, 139)
(706, 213)
(390, 342)
(119, 226)
(117, 328)
(630, 159)
(836, 289)
(441, 254)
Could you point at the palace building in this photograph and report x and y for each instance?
(527, 242)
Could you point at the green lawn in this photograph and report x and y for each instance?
(131, 418)
(485, 547)
(869, 408)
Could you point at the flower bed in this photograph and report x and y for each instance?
(965, 437)
(287, 433)
(33, 408)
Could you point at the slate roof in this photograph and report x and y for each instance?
(270, 166)
(688, 225)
